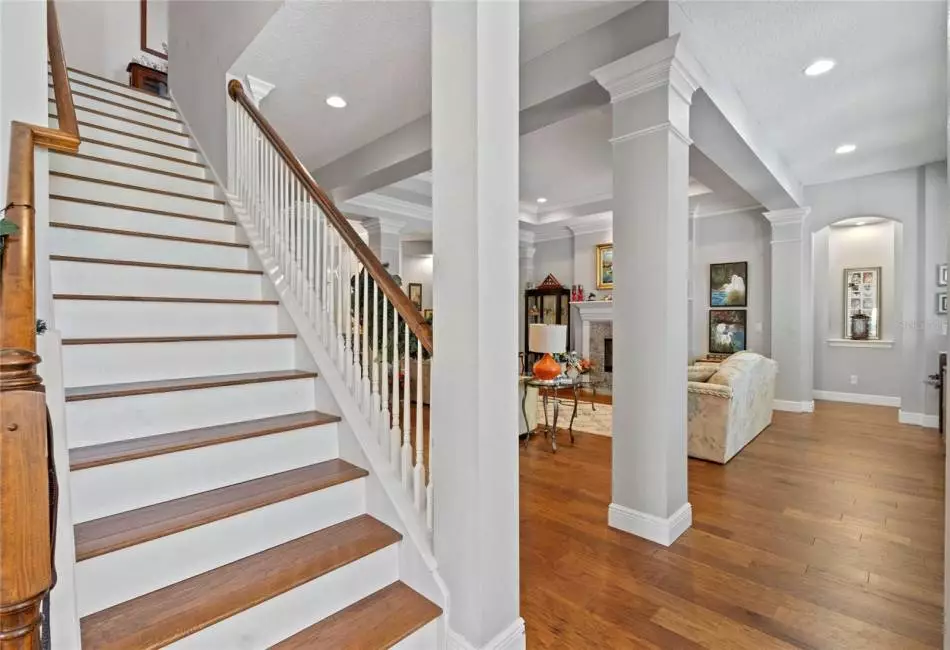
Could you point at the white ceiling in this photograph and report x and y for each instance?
(887, 95)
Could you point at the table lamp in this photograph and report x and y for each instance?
(549, 339)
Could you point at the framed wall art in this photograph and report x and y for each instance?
(942, 303)
(727, 284)
(941, 275)
(862, 296)
(605, 266)
(415, 294)
(727, 331)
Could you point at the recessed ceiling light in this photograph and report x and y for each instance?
(336, 101)
(845, 148)
(820, 67)
(541, 199)
(860, 223)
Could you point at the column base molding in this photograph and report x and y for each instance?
(794, 407)
(511, 638)
(919, 419)
(661, 530)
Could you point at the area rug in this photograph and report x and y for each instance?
(590, 418)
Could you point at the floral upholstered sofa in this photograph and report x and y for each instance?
(729, 404)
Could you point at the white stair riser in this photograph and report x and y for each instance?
(140, 113)
(135, 143)
(287, 614)
(159, 224)
(119, 98)
(86, 243)
(113, 578)
(90, 279)
(84, 115)
(425, 638)
(94, 421)
(110, 318)
(115, 363)
(133, 197)
(124, 90)
(110, 489)
(130, 176)
(141, 159)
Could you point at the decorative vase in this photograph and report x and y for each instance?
(859, 326)
(547, 368)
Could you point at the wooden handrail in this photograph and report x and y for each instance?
(371, 263)
(26, 573)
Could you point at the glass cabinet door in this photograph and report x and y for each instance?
(549, 310)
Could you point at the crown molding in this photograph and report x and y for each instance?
(382, 225)
(699, 214)
(259, 88)
(666, 63)
(593, 224)
(375, 201)
(788, 216)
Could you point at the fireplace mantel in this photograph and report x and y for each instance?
(592, 311)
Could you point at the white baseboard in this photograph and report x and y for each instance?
(793, 407)
(919, 419)
(656, 529)
(858, 398)
(511, 638)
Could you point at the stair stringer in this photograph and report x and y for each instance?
(385, 497)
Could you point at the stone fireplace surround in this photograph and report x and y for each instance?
(596, 324)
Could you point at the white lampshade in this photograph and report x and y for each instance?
(547, 338)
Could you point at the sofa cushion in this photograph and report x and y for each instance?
(734, 367)
(701, 373)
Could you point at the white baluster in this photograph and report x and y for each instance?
(406, 418)
(375, 362)
(395, 435)
(311, 266)
(366, 388)
(419, 472)
(326, 295)
(341, 305)
(382, 386)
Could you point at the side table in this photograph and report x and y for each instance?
(548, 388)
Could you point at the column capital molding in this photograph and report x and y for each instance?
(259, 88)
(666, 63)
(382, 226)
(788, 216)
(526, 251)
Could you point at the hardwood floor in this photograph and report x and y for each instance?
(825, 532)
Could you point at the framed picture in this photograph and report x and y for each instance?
(727, 284)
(942, 302)
(427, 314)
(415, 294)
(605, 266)
(941, 275)
(727, 331)
(862, 295)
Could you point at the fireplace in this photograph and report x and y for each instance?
(608, 354)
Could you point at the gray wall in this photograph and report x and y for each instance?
(204, 38)
(917, 198)
(838, 248)
(555, 257)
(585, 260)
(734, 237)
(417, 267)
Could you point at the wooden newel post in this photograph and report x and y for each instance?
(25, 560)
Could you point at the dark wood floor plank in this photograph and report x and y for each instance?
(825, 532)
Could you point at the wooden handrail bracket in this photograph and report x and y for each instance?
(370, 262)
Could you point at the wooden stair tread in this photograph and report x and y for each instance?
(143, 152)
(113, 81)
(136, 233)
(140, 188)
(80, 393)
(178, 339)
(144, 102)
(161, 617)
(152, 265)
(217, 301)
(380, 620)
(148, 125)
(125, 529)
(141, 168)
(166, 443)
(160, 116)
(129, 135)
(135, 208)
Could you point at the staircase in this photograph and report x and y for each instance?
(211, 506)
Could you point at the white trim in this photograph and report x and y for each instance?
(511, 638)
(858, 398)
(259, 88)
(863, 343)
(699, 214)
(650, 130)
(656, 529)
(793, 407)
(376, 201)
(787, 216)
(919, 419)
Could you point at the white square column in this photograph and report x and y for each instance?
(792, 309)
(650, 92)
(475, 96)
(384, 240)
